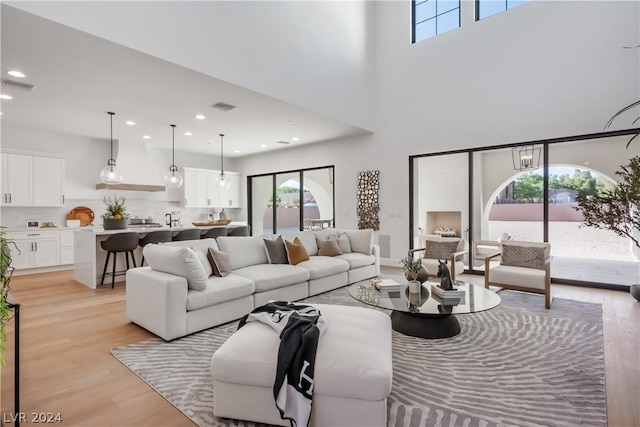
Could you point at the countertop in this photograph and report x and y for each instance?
(101, 231)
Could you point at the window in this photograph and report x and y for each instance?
(485, 8)
(433, 17)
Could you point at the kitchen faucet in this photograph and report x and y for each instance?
(169, 220)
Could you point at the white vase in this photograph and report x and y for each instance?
(414, 287)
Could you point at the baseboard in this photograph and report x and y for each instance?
(27, 271)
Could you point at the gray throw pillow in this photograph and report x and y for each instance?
(276, 251)
(329, 247)
(440, 249)
(220, 262)
(529, 255)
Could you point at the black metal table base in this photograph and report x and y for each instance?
(430, 326)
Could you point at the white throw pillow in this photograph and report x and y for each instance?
(202, 257)
(361, 241)
(179, 261)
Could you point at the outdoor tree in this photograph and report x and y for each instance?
(528, 186)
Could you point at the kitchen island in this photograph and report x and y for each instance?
(89, 257)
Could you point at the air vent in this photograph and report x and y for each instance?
(223, 106)
(283, 142)
(17, 85)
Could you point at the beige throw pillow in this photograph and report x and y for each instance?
(220, 262)
(529, 255)
(440, 249)
(329, 247)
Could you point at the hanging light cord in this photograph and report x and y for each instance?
(111, 158)
(221, 154)
(173, 145)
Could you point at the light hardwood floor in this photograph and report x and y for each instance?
(67, 368)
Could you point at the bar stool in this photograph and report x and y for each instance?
(243, 230)
(212, 233)
(189, 234)
(154, 237)
(121, 242)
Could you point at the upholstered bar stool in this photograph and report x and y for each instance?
(212, 233)
(242, 230)
(121, 242)
(189, 234)
(154, 237)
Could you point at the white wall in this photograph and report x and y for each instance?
(307, 53)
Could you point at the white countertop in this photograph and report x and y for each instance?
(99, 231)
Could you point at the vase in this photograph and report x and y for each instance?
(114, 224)
(414, 286)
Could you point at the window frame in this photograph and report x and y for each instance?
(414, 3)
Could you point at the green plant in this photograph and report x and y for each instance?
(114, 208)
(6, 313)
(411, 266)
(616, 209)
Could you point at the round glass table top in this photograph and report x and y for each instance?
(475, 299)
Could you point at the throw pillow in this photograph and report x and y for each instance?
(529, 255)
(343, 242)
(179, 261)
(276, 251)
(440, 249)
(220, 262)
(202, 257)
(296, 252)
(329, 247)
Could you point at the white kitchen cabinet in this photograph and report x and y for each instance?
(32, 180)
(199, 188)
(34, 248)
(66, 247)
(48, 181)
(230, 197)
(17, 180)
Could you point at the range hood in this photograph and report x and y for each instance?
(139, 174)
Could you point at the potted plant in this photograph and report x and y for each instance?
(617, 210)
(6, 312)
(412, 267)
(116, 216)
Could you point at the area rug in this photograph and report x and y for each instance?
(516, 365)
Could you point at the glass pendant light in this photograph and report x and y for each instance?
(222, 181)
(110, 173)
(173, 178)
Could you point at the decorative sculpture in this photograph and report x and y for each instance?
(445, 276)
(368, 207)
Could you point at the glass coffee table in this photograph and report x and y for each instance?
(423, 315)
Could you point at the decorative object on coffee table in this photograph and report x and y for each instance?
(367, 206)
(445, 276)
(116, 216)
(412, 268)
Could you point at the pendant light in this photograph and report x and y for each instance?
(222, 181)
(110, 173)
(526, 158)
(173, 178)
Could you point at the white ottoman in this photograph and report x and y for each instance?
(353, 371)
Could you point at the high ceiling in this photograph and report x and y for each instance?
(79, 77)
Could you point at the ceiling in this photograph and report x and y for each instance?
(79, 77)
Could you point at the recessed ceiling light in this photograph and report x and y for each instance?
(188, 133)
(130, 123)
(295, 138)
(235, 151)
(146, 136)
(263, 146)
(3, 96)
(200, 117)
(289, 121)
(15, 73)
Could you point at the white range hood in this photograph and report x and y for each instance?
(132, 159)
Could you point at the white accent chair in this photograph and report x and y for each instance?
(436, 248)
(484, 248)
(524, 266)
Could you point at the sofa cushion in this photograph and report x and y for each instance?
(524, 254)
(243, 251)
(322, 266)
(341, 237)
(308, 239)
(202, 257)
(219, 290)
(273, 276)
(440, 248)
(202, 244)
(296, 252)
(179, 261)
(509, 275)
(361, 241)
(357, 260)
(276, 251)
(220, 263)
(328, 247)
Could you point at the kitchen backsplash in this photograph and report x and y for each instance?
(17, 217)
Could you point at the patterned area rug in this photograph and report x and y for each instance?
(518, 364)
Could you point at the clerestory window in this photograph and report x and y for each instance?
(485, 8)
(433, 17)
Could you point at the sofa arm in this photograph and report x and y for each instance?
(375, 251)
(157, 301)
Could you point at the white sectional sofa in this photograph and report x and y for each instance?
(177, 295)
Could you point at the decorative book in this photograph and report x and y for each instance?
(446, 294)
(387, 285)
